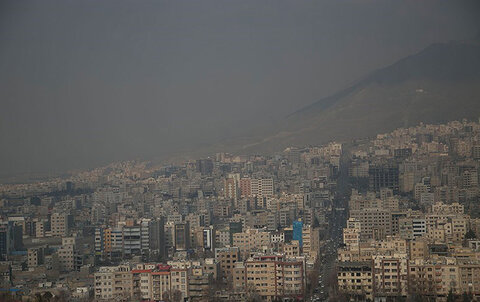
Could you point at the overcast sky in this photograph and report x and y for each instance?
(83, 83)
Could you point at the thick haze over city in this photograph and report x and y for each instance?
(84, 83)
(239, 151)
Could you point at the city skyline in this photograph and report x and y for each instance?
(157, 78)
(240, 151)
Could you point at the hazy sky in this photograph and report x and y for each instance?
(84, 83)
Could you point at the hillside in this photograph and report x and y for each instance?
(438, 84)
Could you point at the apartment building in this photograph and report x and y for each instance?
(259, 187)
(291, 249)
(113, 283)
(182, 236)
(198, 285)
(275, 276)
(311, 242)
(418, 248)
(157, 281)
(356, 279)
(39, 229)
(132, 240)
(180, 281)
(376, 223)
(238, 276)
(251, 240)
(434, 277)
(351, 234)
(390, 272)
(227, 257)
(59, 224)
(35, 257)
(67, 256)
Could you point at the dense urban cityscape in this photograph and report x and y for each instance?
(390, 218)
(239, 151)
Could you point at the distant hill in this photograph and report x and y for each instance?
(438, 84)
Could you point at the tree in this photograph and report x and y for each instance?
(45, 297)
(62, 296)
(252, 294)
(470, 234)
(312, 280)
(450, 296)
(35, 201)
(467, 297)
(7, 297)
(415, 297)
(176, 296)
(166, 296)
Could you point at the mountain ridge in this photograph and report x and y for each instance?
(437, 84)
(382, 74)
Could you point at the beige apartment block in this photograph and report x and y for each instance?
(356, 279)
(251, 240)
(113, 283)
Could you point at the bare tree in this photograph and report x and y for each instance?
(166, 296)
(176, 296)
(252, 294)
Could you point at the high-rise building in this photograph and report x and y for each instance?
(234, 227)
(157, 244)
(256, 187)
(231, 189)
(182, 236)
(262, 187)
(67, 256)
(6, 239)
(132, 240)
(351, 234)
(116, 241)
(145, 236)
(476, 152)
(311, 242)
(69, 186)
(39, 228)
(245, 187)
(297, 232)
(208, 238)
(99, 241)
(383, 177)
(59, 224)
(204, 166)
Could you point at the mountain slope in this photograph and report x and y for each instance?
(438, 84)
